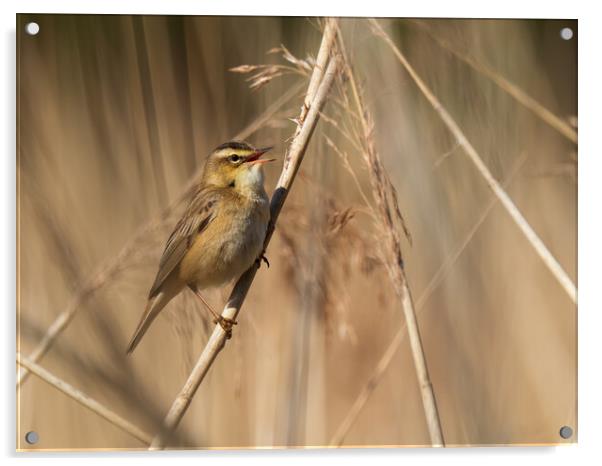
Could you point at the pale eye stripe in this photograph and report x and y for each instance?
(239, 152)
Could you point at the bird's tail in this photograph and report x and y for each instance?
(153, 307)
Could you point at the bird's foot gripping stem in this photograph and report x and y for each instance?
(226, 324)
(262, 258)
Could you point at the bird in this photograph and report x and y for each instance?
(219, 236)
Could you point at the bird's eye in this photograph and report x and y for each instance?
(234, 158)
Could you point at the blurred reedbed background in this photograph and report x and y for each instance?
(117, 113)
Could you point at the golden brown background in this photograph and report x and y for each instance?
(115, 113)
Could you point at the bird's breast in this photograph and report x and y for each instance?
(229, 245)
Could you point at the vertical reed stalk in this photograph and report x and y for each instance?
(386, 206)
(306, 125)
(385, 360)
(540, 248)
(308, 346)
(150, 111)
(299, 368)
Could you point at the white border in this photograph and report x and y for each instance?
(590, 231)
(508, 9)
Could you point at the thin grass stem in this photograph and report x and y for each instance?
(310, 112)
(507, 86)
(84, 399)
(385, 360)
(540, 248)
(108, 271)
(386, 208)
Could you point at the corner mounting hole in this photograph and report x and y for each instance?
(566, 33)
(32, 28)
(32, 437)
(566, 432)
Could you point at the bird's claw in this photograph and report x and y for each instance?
(226, 324)
(264, 259)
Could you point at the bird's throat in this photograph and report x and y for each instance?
(249, 183)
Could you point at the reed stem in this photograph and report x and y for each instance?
(385, 360)
(385, 201)
(540, 248)
(292, 162)
(108, 271)
(84, 399)
(507, 86)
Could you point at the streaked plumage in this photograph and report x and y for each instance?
(220, 234)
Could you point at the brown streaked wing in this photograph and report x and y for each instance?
(198, 215)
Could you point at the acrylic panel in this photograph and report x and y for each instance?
(251, 232)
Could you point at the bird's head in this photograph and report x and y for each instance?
(236, 164)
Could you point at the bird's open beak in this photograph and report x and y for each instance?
(254, 157)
